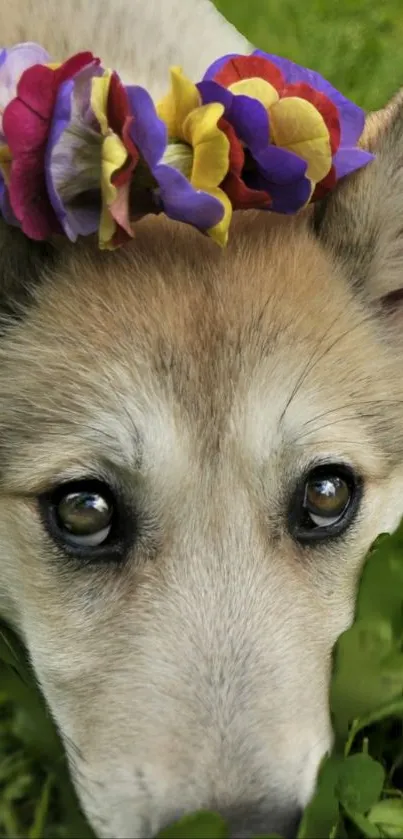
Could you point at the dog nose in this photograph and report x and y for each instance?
(248, 821)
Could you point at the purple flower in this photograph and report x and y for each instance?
(348, 158)
(290, 167)
(177, 197)
(73, 157)
(13, 62)
(278, 172)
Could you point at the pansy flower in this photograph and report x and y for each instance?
(73, 157)
(186, 153)
(347, 157)
(110, 104)
(295, 130)
(78, 149)
(90, 158)
(5, 167)
(242, 196)
(13, 62)
(26, 124)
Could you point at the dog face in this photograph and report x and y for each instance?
(174, 420)
(196, 450)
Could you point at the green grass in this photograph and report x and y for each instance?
(356, 44)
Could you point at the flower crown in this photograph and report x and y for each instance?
(81, 153)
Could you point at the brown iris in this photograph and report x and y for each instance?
(84, 513)
(327, 497)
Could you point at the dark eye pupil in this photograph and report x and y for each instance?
(326, 496)
(84, 513)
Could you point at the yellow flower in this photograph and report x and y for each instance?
(196, 145)
(295, 125)
(5, 163)
(114, 156)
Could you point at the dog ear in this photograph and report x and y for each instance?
(361, 223)
(22, 265)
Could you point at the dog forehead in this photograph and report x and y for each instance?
(174, 340)
(175, 295)
(174, 313)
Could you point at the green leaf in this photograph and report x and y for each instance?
(41, 811)
(368, 662)
(321, 816)
(202, 825)
(388, 816)
(268, 836)
(390, 709)
(364, 825)
(360, 783)
(368, 674)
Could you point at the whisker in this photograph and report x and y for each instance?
(384, 403)
(314, 359)
(333, 442)
(344, 418)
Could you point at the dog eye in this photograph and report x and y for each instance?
(325, 502)
(81, 514)
(85, 516)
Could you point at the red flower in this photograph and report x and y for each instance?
(255, 66)
(325, 185)
(322, 103)
(249, 67)
(240, 195)
(120, 120)
(26, 123)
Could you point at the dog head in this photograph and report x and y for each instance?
(196, 450)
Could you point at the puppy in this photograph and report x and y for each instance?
(231, 424)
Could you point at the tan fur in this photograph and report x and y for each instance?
(203, 384)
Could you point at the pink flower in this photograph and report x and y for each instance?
(26, 125)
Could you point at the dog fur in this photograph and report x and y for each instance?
(201, 384)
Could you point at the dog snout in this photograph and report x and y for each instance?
(247, 821)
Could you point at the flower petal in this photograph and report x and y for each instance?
(147, 130)
(114, 157)
(219, 233)
(257, 89)
(349, 160)
(5, 162)
(210, 146)
(240, 67)
(216, 66)
(286, 198)
(240, 195)
(99, 100)
(248, 117)
(352, 118)
(182, 202)
(280, 166)
(182, 98)
(13, 62)
(298, 126)
(323, 104)
(73, 157)
(26, 123)
(120, 119)
(179, 199)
